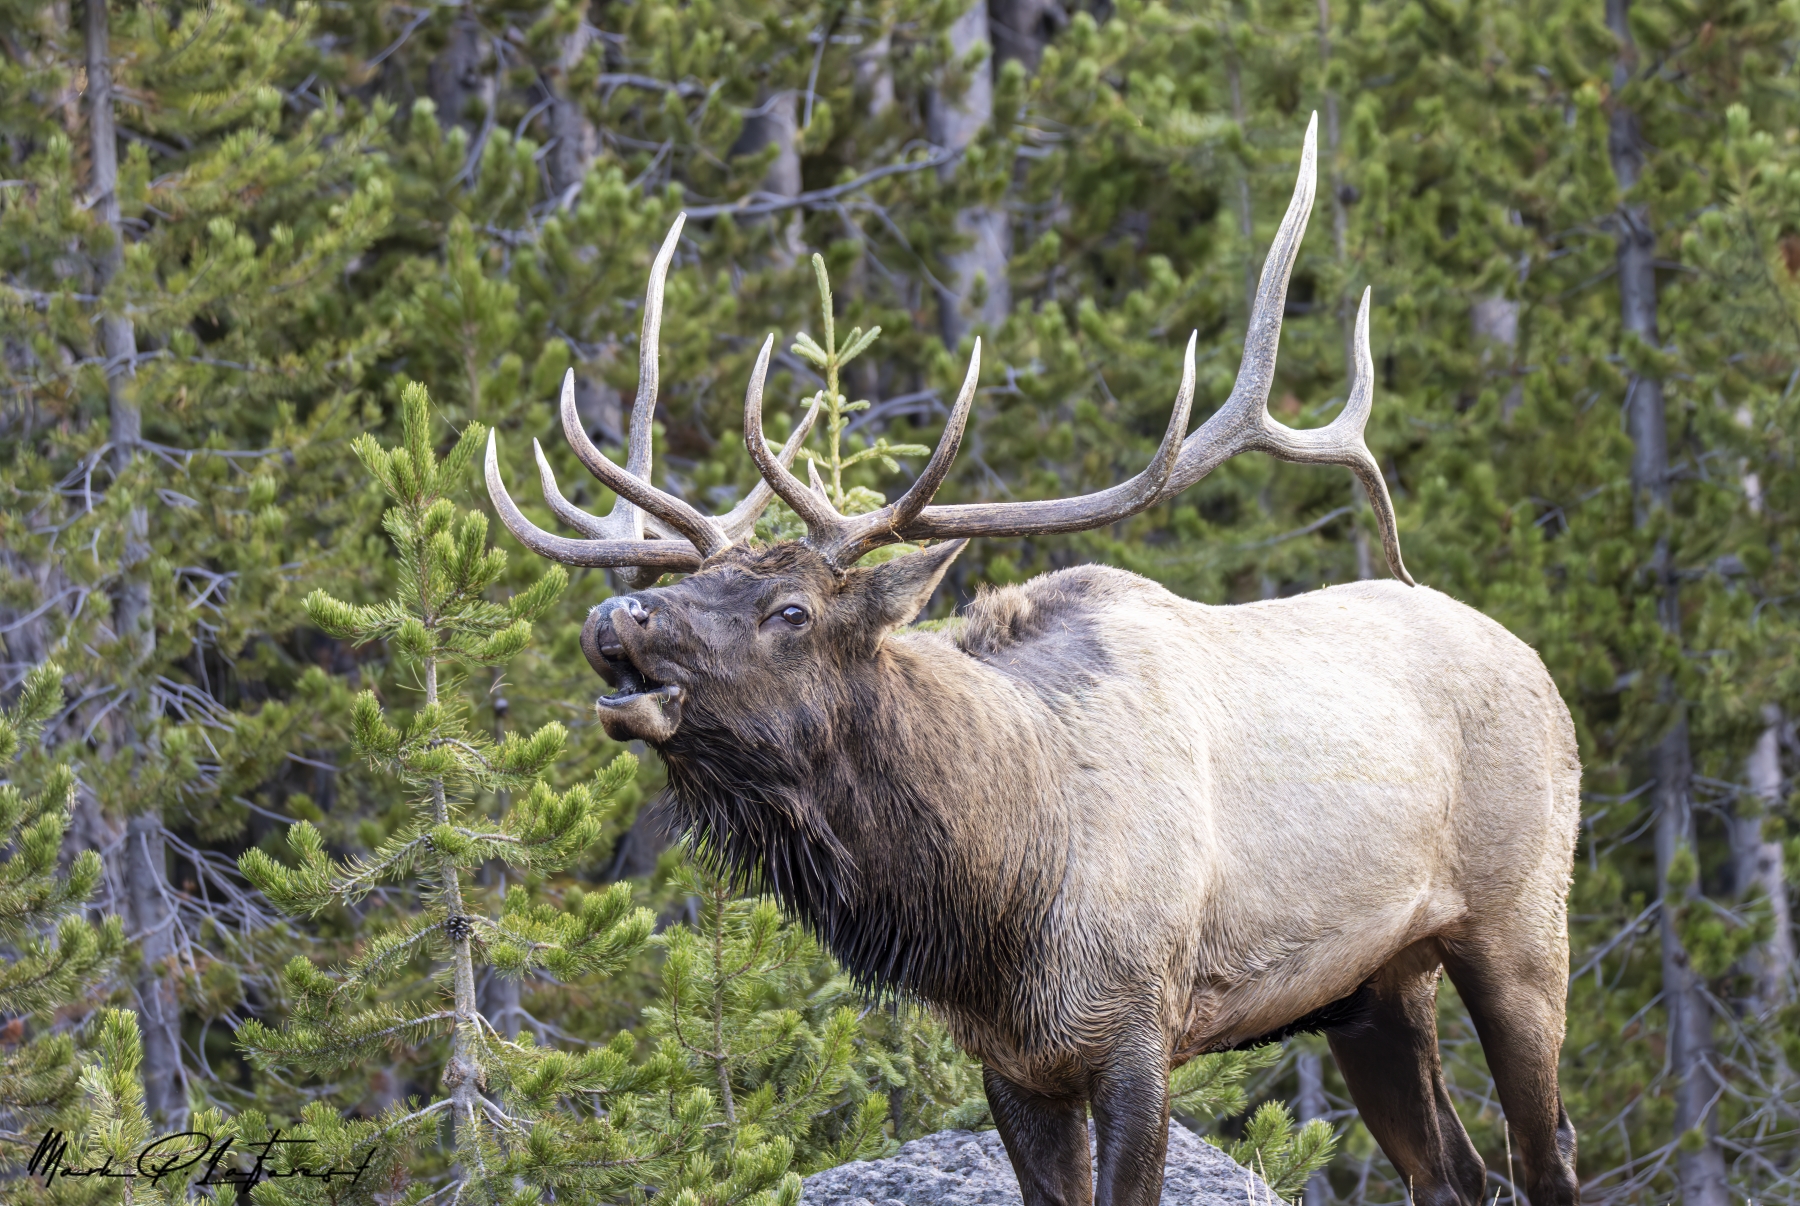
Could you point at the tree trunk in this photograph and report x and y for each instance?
(463, 1074)
(1246, 220)
(132, 619)
(1340, 233)
(1760, 870)
(1020, 29)
(776, 122)
(159, 1009)
(573, 134)
(978, 271)
(1700, 1169)
(462, 85)
(875, 76)
(145, 862)
(1309, 1104)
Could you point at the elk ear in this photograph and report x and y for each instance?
(895, 592)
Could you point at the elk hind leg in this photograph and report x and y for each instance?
(1389, 1060)
(1514, 992)
(1046, 1140)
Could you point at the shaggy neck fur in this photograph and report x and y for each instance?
(870, 826)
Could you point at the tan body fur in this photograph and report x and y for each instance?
(1273, 800)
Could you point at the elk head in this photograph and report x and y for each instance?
(756, 639)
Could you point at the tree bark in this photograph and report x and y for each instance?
(1246, 220)
(875, 76)
(1020, 29)
(981, 266)
(574, 140)
(463, 1074)
(1700, 1170)
(132, 619)
(1760, 871)
(159, 1009)
(461, 80)
(1309, 1104)
(145, 861)
(776, 122)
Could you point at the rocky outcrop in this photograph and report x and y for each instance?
(964, 1168)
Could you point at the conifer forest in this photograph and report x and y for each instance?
(307, 828)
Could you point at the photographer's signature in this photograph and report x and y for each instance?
(167, 1155)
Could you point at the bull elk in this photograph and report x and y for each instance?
(1097, 828)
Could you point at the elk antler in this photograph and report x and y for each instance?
(680, 537)
(844, 539)
(1242, 424)
(683, 537)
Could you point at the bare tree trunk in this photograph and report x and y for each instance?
(1246, 221)
(462, 85)
(875, 75)
(1760, 871)
(1700, 1170)
(159, 1009)
(145, 865)
(979, 271)
(1340, 232)
(463, 1074)
(1020, 29)
(1310, 1104)
(132, 620)
(776, 122)
(574, 140)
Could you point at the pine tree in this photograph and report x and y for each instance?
(46, 969)
(173, 232)
(505, 1100)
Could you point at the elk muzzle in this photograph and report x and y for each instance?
(639, 709)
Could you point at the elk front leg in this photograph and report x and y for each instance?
(1046, 1140)
(1130, 1097)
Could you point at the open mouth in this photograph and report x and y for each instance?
(632, 686)
(641, 708)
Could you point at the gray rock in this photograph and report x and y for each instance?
(964, 1168)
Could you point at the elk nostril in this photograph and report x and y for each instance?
(636, 611)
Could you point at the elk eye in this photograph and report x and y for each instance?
(794, 615)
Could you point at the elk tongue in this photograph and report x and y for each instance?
(650, 715)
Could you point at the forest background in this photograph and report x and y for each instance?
(236, 237)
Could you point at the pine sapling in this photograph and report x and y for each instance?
(831, 360)
(507, 1100)
(53, 953)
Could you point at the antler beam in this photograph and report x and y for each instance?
(685, 537)
(680, 538)
(1244, 424)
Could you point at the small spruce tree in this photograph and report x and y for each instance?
(753, 1014)
(45, 969)
(506, 1100)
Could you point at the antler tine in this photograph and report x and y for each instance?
(703, 532)
(821, 518)
(643, 410)
(599, 527)
(1244, 424)
(884, 525)
(1234, 427)
(661, 555)
(1341, 443)
(625, 521)
(738, 522)
(1068, 514)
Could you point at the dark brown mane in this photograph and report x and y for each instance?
(848, 834)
